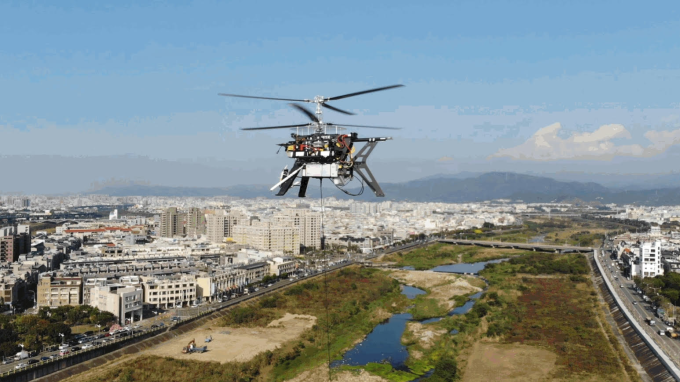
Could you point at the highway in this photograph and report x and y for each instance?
(639, 308)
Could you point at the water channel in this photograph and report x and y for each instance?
(383, 344)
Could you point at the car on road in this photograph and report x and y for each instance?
(20, 366)
(43, 358)
(64, 352)
(176, 318)
(32, 361)
(75, 348)
(154, 326)
(7, 361)
(161, 324)
(634, 302)
(87, 346)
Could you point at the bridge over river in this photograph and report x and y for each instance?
(537, 247)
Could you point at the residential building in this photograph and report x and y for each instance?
(255, 272)
(270, 236)
(195, 222)
(169, 292)
(650, 256)
(172, 223)
(222, 281)
(59, 291)
(309, 224)
(221, 223)
(281, 265)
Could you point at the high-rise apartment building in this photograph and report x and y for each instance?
(195, 222)
(14, 241)
(220, 225)
(309, 224)
(270, 236)
(650, 259)
(170, 224)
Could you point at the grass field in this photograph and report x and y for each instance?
(557, 231)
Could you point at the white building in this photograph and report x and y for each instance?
(124, 301)
(650, 259)
(281, 265)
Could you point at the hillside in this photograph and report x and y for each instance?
(488, 186)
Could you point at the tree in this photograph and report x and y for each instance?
(445, 370)
(52, 332)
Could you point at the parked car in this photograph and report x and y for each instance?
(88, 333)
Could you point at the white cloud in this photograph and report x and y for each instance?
(546, 145)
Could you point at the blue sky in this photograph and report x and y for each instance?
(482, 77)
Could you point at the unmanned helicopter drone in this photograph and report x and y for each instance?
(320, 154)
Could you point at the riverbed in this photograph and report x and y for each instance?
(383, 344)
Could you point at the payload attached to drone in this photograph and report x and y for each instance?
(321, 153)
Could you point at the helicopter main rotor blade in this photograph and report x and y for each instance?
(363, 92)
(336, 109)
(370, 127)
(275, 99)
(274, 127)
(306, 112)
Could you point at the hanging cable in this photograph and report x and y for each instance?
(325, 282)
(361, 191)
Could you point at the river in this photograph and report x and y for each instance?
(383, 344)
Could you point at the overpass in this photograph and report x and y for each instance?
(536, 247)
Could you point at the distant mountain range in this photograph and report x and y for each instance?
(451, 189)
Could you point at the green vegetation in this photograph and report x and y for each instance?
(556, 231)
(384, 370)
(443, 254)
(424, 308)
(35, 331)
(663, 290)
